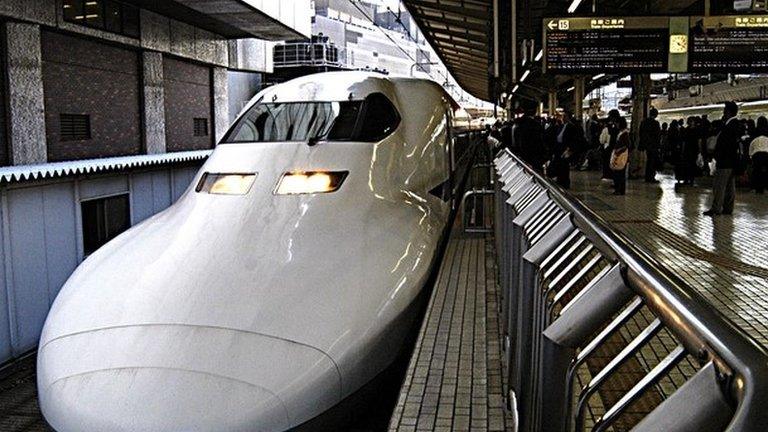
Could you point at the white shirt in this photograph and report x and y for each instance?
(759, 144)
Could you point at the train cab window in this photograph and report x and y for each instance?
(296, 121)
(366, 120)
(380, 118)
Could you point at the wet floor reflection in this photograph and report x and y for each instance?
(725, 258)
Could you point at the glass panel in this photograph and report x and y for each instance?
(94, 13)
(131, 21)
(73, 10)
(296, 121)
(113, 20)
(381, 118)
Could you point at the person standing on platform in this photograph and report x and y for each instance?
(650, 139)
(620, 158)
(529, 140)
(608, 141)
(758, 151)
(568, 140)
(726, 159)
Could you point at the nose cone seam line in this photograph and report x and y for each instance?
(57, 338)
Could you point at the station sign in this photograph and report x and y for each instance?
(600, 44)
(729, 44)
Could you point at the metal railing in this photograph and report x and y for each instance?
(600, 336)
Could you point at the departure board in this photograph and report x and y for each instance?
(729, 44)
(599, 45)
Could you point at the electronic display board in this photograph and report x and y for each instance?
(729, 44)
(607, 44)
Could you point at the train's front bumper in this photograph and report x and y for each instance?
(177, 378)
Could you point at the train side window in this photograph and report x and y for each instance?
(380, 118)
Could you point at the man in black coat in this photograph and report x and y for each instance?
(726, 160)
(529, 140)
(650, 140)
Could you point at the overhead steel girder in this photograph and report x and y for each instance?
(478, 13)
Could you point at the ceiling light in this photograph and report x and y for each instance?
(539, 55)
(598, 76)
(525, 75)
(575, 5)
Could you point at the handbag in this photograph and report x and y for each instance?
(619, 159)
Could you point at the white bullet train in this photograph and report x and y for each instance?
(281, 282)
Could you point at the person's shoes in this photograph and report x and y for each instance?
(710, 213)
(606, 179)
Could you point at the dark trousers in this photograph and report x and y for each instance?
(606, 157)
(652, 165)
(620, 181)
(724, 191)
(760, 172)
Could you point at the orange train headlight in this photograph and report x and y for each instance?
(226, 184)
(312, 182)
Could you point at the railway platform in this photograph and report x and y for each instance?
(457, 379)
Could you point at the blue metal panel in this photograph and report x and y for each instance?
(29, 292)
(5, 325)
(60, 234)
(141, 197)
(161, 190)
(182, 178)
(103, 186)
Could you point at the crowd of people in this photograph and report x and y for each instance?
(729, 149)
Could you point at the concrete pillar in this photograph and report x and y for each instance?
(26, 106)
(641, 97)
(578, 97)
(220, 102)
(154, 103)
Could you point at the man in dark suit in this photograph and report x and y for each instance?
(650, 140)
(726, 158)
(529, 140)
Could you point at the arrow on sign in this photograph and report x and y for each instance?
(552, 24)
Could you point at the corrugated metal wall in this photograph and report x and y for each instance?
(41, 241)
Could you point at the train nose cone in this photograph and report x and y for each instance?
(167, 400)
(181, 378)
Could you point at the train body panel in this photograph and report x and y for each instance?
(292, 302)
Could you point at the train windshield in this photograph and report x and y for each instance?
(368, 120)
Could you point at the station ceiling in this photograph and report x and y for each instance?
(461, 31)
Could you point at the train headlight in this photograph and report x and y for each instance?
(297, 183)
(226, 184)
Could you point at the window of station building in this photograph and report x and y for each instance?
(200, 127)
(74, 127)
(109, 15)
(104, 219)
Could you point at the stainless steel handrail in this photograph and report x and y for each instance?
(703, 331)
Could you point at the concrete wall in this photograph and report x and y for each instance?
(41, 240)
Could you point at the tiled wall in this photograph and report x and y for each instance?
(86, 77)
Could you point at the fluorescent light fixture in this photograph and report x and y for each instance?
(517, 87)
(575, 5)
(226, 184)
(525, 75)
(300, 183)
(539, 55)
(598, 76)
(571, 89)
